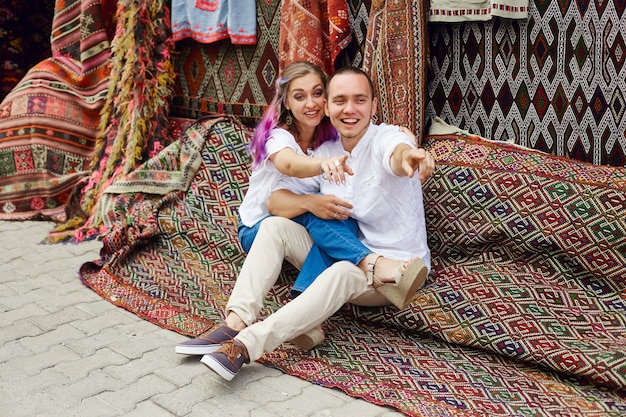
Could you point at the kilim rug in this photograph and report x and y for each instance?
(555, 82)
(396, 59)
(524, 312)
(222, 78)
(49, 120)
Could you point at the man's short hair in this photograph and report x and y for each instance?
(352, 70)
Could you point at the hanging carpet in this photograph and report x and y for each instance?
(523, 314)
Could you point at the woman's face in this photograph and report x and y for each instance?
(305, 98)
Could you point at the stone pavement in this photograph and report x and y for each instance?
(64, 351)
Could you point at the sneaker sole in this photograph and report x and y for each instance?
(217, 367)
(196, 350)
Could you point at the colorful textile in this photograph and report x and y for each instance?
(212, 21)
(464, 10)
(555, 82)
(396, 59)
(134, 121)
(314, 31)
(222, 78)
(523, 313)
(49, 121)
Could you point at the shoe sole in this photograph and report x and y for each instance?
(308, 340)
(196, 350)
(217, 367)
(419, 272)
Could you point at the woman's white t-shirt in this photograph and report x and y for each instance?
(264, 178)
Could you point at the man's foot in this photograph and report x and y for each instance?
(207, 342)
(310, 339)
(228, 359)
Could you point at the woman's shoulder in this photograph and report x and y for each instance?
(280, 138)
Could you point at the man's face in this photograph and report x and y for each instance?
(350, 105)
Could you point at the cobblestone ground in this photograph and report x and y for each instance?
(64, 351)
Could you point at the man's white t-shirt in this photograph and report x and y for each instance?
(388, 208)
(264, 178)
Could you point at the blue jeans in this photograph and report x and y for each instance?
(247, 234)
(333, 240)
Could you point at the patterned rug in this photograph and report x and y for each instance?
(50, 120)
(223, 78)
(524, 313)
(555, 82)
(396, 59)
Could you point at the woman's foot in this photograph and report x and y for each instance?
(310, 339)
(398, 281)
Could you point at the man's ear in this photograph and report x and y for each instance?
(374, 105)
(326, 112)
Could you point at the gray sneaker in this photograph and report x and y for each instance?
(207, 342)
(228, 359)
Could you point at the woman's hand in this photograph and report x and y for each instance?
(335, 169)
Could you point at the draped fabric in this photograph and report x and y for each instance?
(134, 122)
(315, 31)
(555, 82)
(396, 57)
(50, 120)
(466, 10)
(212, 21)
(523, 312)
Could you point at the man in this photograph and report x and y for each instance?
(387, 202)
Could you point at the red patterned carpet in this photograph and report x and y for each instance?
(523, 314)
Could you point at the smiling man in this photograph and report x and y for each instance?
(386, 199)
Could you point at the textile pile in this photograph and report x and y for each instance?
(50, 120)
(555, 82)
(523, 312)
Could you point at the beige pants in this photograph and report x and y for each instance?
(277, 239)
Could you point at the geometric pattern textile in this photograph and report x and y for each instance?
(134, 119)
(523, 313)
(222, 78)
(314, 31)
(396, 60)
(458, 11)
(50, 119)
(555, 83)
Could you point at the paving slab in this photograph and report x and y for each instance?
(64, 351)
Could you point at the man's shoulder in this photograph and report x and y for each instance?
(328, 147)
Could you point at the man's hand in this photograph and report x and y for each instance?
(406, 160)
(287, 204)
(329, 207)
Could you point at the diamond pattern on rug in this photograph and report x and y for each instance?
(555, 83)
(525, 298)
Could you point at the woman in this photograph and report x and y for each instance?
(291, 128)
